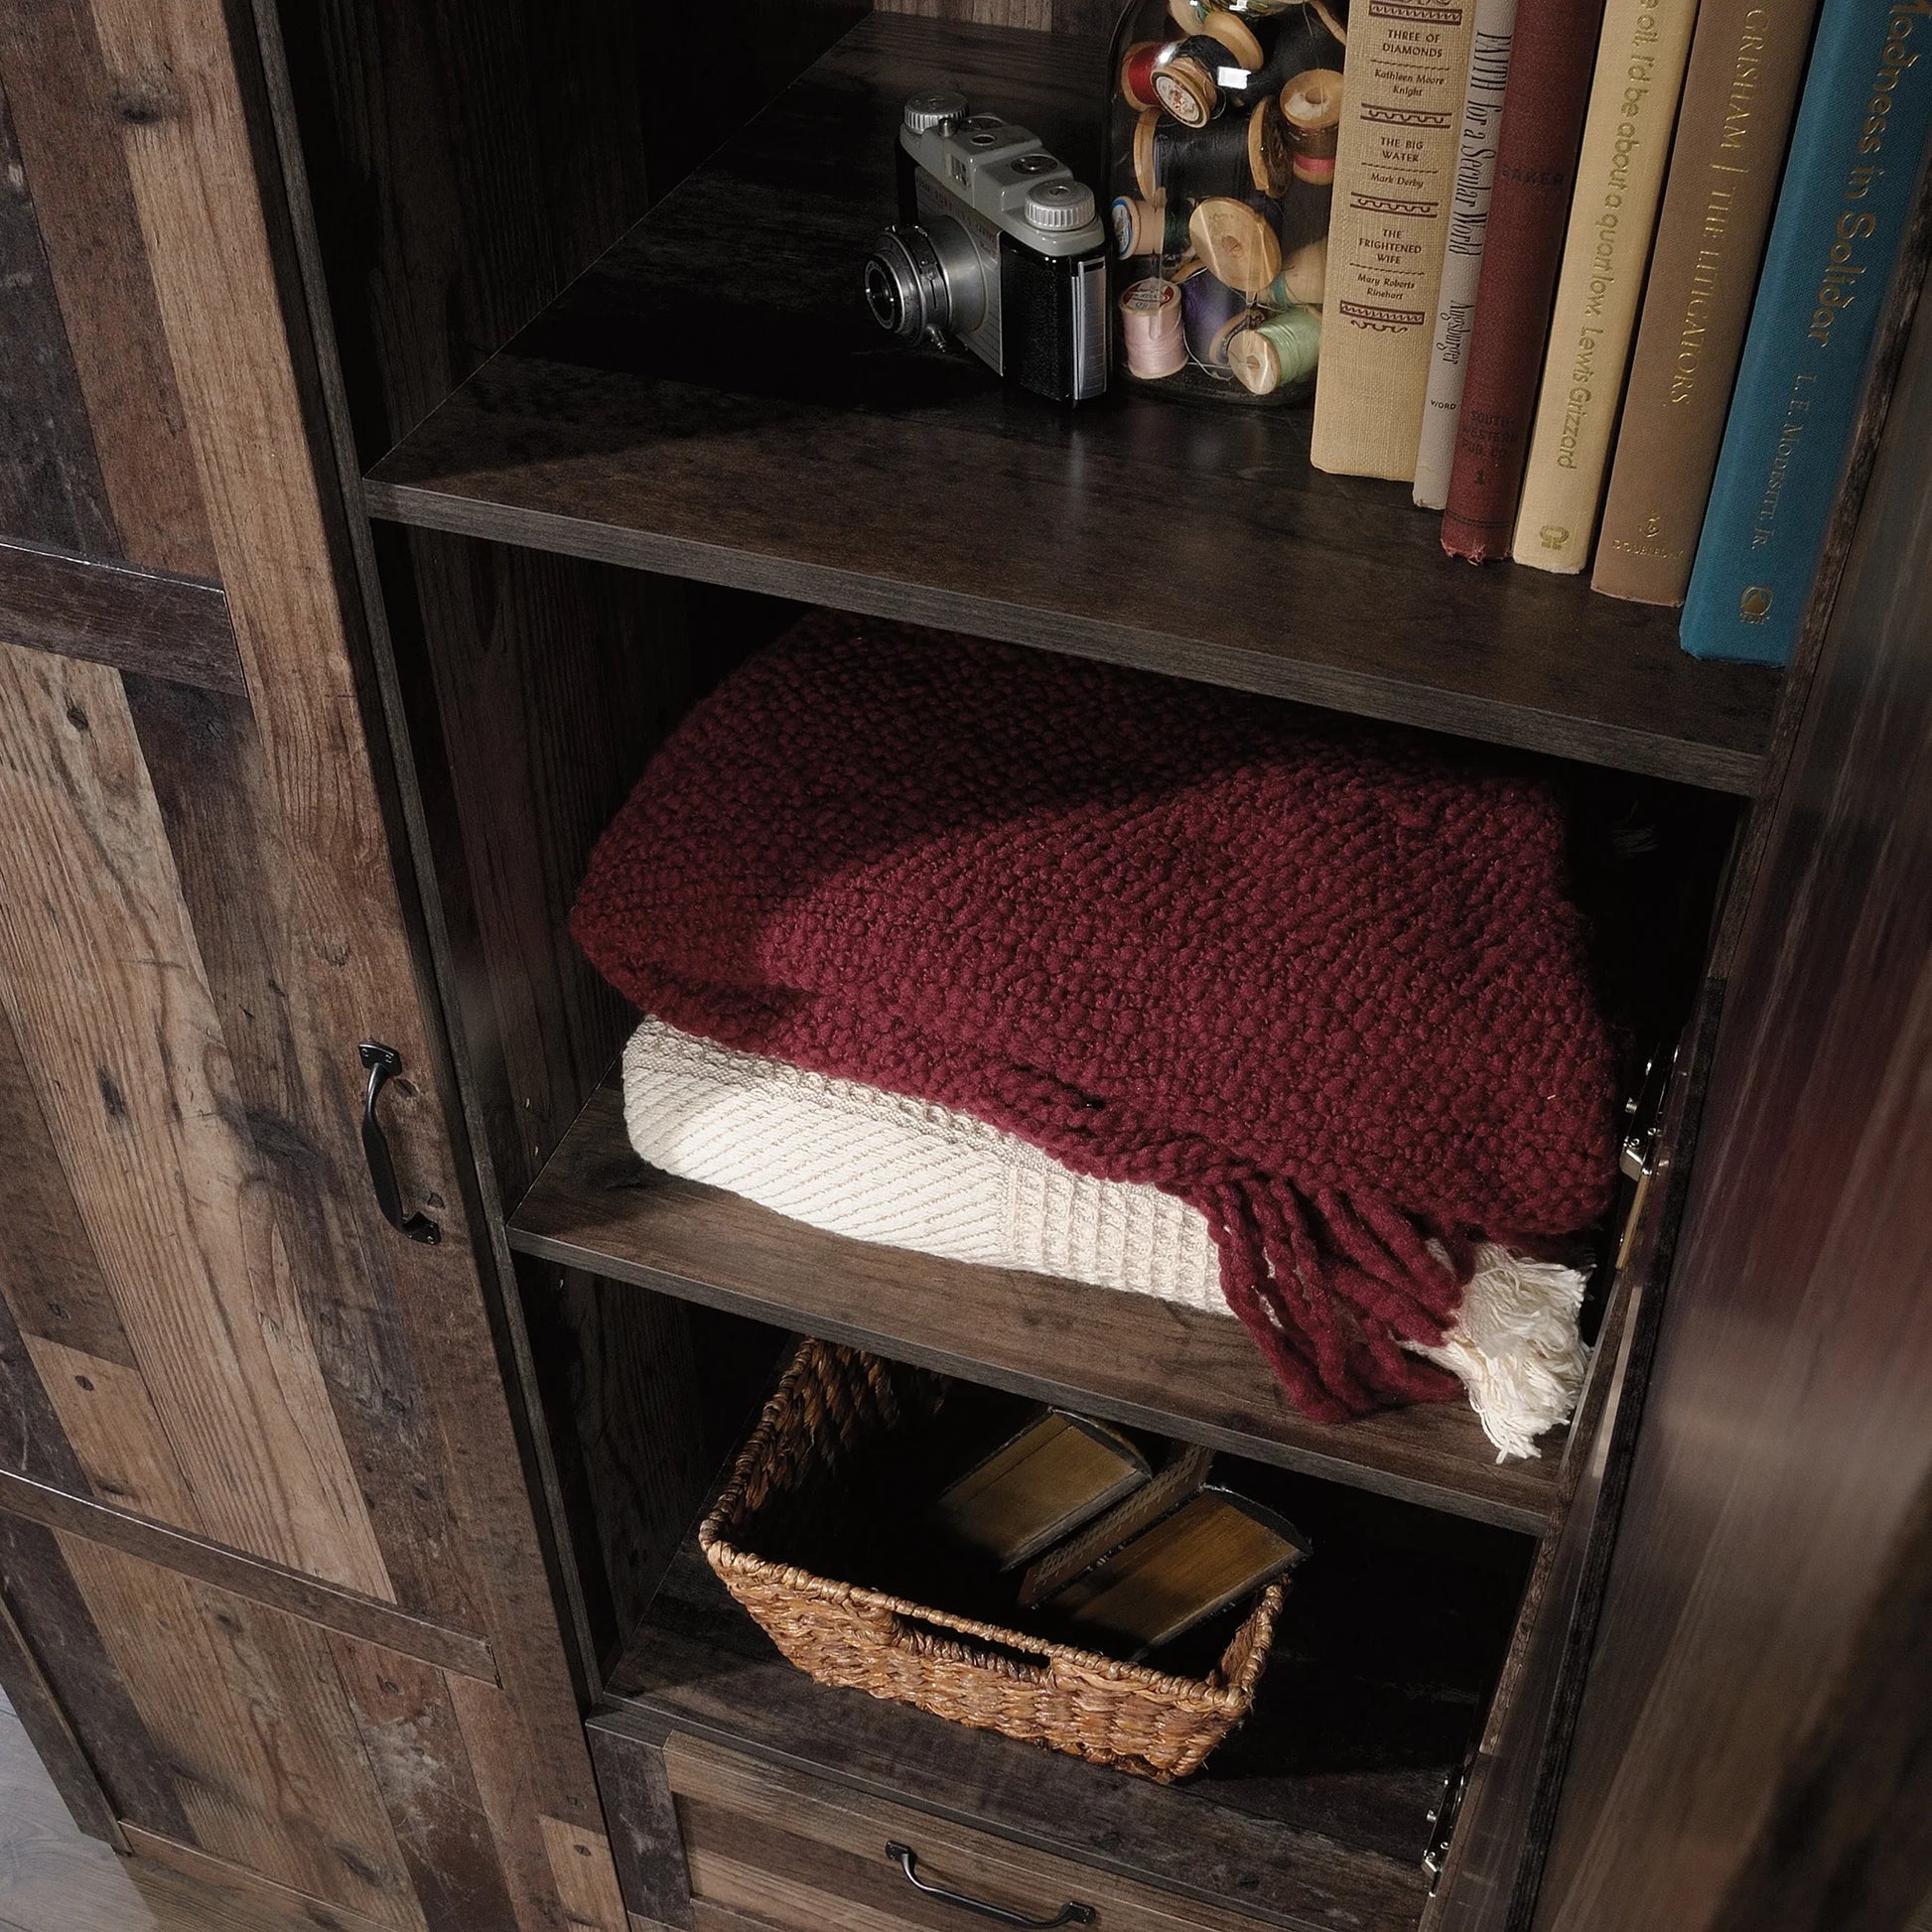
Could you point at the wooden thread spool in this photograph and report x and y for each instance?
(1185, 77)
(1189, 15)
(1137, 74)
(1149, 227)
(1212, 313)
(1221, 68)
(1237, 242)
(1151, 329)
(1144, 130)
(1271, 352)
(1187, 163)
(1312, 106)
(1303, 279)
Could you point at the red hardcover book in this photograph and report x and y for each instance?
(1549, 70)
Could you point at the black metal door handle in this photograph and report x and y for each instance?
(1071, 1914)
(385, 1063)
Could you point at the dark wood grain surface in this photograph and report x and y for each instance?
(1131, 1357)
(51, 486)
(53, 1621)
(38, 1709)
(127, 448)
(221, 1366)
(114, 613)
(1780, 1482)
(801, 1852)
(710, 400)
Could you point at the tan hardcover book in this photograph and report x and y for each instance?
(1605, 249)
(1184, 1471)
(1212, 1552)
(1395, 181)
(1042, 1484)
(1739, 95)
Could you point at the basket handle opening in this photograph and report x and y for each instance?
(1011, 1659)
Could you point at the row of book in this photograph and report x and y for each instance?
(1096, 1537)
(1604, 277)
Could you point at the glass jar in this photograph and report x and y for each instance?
(1221, 155)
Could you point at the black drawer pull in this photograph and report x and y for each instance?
(385, 1063)
(1068, 1915)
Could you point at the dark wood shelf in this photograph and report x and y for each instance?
(711, 400)
(1130, 1357)
(1315, 1813)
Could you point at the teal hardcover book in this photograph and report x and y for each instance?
(1843, 208)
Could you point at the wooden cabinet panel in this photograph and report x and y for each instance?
(238, 1742)
(260, 1743)
(209, 1412)
(218, 1365)
(128, 434)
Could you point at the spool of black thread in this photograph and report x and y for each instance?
(1189, 163)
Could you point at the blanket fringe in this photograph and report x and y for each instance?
(1515, 1346)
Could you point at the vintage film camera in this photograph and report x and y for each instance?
(996, 245)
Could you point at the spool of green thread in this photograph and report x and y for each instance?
(1279, 349)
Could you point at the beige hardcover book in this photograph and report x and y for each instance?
(1184, 1471)
(1213, 1551)
(1395, 180)
(1606, 247)
(1056, 1474)
(1739, 95)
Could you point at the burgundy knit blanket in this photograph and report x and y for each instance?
(1317, 979)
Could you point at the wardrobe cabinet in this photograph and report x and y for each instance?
(408, 409)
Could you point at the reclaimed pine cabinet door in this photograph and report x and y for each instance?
(259, 1480)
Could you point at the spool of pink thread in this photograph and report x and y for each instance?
(1150, 332)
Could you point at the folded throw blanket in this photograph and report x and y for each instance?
(1318, 980)
(856, 1161)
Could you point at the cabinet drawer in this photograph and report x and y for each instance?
(778, 1849)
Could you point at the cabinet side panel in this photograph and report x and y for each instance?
(1785, 1450)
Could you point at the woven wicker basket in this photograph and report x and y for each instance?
(830, 1403)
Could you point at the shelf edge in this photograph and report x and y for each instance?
(1711, 766)
(1442, 1497)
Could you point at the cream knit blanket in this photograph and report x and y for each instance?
(856, 1160)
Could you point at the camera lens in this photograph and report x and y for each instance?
(883, 297)
(906, 284)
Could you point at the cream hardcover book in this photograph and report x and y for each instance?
(1395, 180)
(1606, 247)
